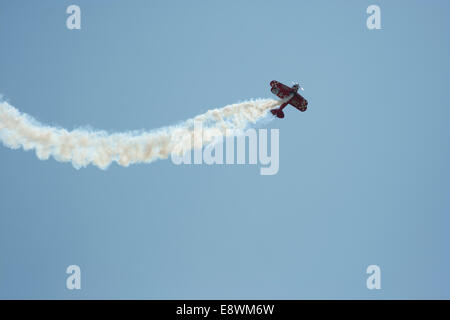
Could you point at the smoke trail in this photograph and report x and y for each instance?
(82, 147)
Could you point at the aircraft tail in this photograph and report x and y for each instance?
(278, 113)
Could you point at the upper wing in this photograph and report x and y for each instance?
(281, 90)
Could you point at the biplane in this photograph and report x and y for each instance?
(289, 95)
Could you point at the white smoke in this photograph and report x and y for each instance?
(82, 147)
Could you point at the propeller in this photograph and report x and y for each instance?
(300, 87)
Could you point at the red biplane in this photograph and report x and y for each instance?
(289, 96)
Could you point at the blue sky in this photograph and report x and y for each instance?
(363, 179)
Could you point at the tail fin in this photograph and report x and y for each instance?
(278, 112)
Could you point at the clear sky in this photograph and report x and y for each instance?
(364, 173)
